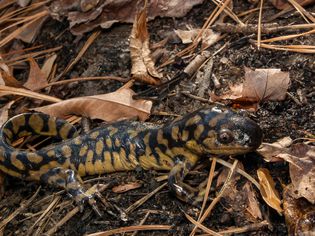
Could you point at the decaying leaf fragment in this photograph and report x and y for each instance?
(268, 191)
(108, 107)
(84, 16)
(252, 203)
(303, 172)
(36, 78)
(208, 37)
(301, 159)
(259, 85)
(143, 68)
(270, 151)
(299, 213)
(6, 77)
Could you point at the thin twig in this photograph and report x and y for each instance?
(144, 199)
(218, 197)
(23, 206)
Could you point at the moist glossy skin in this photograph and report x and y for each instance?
(123, 146)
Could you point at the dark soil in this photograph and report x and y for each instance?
(109, 55)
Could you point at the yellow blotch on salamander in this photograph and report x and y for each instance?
(99, 167)
(113, 131)
(8, 133)
(89, 167)
(95, 134)
(81, 169)
(34, 158)
(10, 172)
(52, 127)
(83, 150)
(108, 162)
(185, 135)
(64, 131)
(18, 122)
(36, 122)
(193, 120)
(51, 153)
(16, 162)
(66, 151)
(117, 142)
(160, 138)
(198, 131)
(118, 165)
(78, 141)
(99, 147)
(108, 142)
(175, 130)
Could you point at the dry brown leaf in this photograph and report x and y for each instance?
(142, 65)
(252, 202)
(265, 84)
(106, 13)
(268, 190)
(36, 78)
(299, 213)
(282, 4)
(30, 32)
(126, 187)
(108, 107)
(4, 112)
(303, 172)
(301, 159)
(259, 85)
(48, 65)
(6, 77)
(270, 151)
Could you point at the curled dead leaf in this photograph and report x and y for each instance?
(268, 190)
(143, 68)
(108, 107)
(6, 77)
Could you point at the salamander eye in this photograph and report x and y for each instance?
(225, 136)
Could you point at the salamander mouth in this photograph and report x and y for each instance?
(231, 150)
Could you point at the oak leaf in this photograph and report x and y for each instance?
(108, 107)
(259, 85)
(36, 78)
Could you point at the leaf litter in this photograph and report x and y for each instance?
(259, 85)
(143, 68)
(108, 107)
(258, 89)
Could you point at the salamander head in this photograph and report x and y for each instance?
(221, 131)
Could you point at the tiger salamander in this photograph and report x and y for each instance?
(122, 146)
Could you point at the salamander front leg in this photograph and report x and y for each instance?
(183, 191)
(69, 180)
